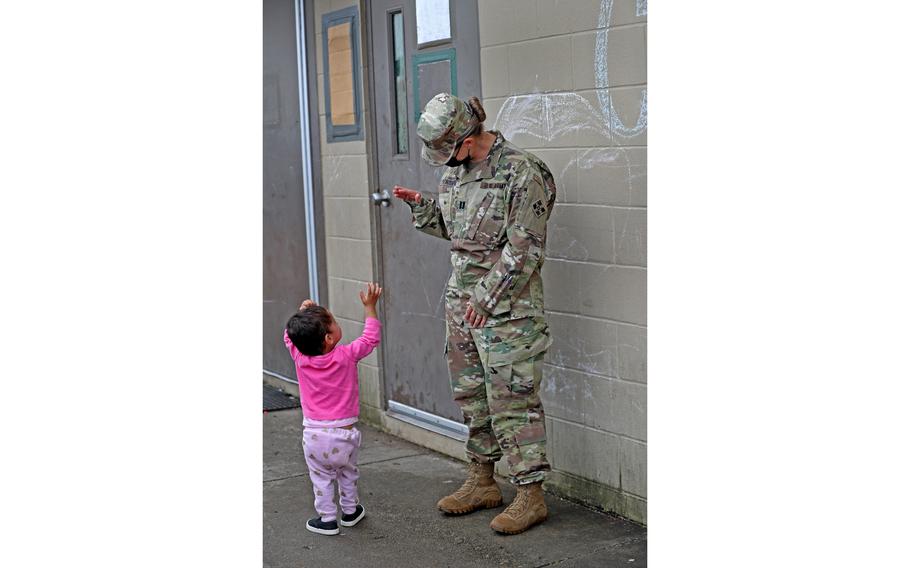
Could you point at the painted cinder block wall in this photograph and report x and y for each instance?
(565, 79)
(348, 239)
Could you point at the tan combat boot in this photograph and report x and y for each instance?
(524, 512)
(478, 492)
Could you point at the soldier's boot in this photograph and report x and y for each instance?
(524, 512)
(479, 491)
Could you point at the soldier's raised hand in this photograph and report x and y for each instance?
(406, 194)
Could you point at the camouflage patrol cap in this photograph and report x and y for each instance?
(446, 121)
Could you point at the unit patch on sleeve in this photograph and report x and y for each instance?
(538, 207)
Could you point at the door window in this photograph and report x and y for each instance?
(400, 95)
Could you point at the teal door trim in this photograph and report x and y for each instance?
(420, 59)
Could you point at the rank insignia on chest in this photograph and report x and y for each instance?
(461, 205)
(538, 208)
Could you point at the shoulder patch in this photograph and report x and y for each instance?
(538, 208)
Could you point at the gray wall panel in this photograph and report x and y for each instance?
(285, 280)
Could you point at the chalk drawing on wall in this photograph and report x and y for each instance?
(601, 79)
(547, 117)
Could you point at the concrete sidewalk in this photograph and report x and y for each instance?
(399, 486)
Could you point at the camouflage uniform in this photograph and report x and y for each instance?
(495, 215)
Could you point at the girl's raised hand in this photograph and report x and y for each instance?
(371, 295)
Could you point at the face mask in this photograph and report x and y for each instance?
(453, 163)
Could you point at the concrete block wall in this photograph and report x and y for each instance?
(566, 80)
(347, 238)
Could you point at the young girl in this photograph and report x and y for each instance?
(329, 396)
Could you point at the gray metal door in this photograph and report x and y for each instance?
(415, 266)
(285, 258)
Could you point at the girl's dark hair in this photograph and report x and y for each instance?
(308, 328)
(481, 115)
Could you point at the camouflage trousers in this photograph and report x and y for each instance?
(495, 374)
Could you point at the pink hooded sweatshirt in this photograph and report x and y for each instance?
(328, 383)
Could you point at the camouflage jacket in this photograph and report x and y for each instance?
(495, 216)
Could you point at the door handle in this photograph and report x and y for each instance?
(381, 198)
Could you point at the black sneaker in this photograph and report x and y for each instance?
(353, 518)
(316, 525)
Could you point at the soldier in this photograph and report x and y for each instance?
(493, 204)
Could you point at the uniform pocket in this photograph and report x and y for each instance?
(444, 201)
(515, 341)
(521, 384)
(515, 388)
(491, 227)
(482, 210)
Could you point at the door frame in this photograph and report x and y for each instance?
(366, 18)
(422, 419)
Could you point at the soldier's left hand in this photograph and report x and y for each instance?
(474, 318)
